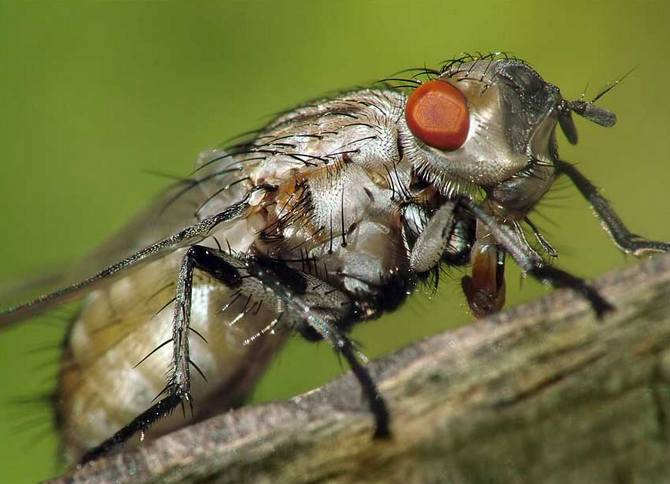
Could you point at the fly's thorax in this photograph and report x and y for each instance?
(334, 178)
(341, 223)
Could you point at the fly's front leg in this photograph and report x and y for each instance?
(177, 390)
(531, 263)
(433, 240)
(622, 237)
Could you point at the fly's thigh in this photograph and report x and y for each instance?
(118, 355)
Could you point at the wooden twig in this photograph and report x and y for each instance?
(540, 393)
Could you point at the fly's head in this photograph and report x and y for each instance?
(490, 123)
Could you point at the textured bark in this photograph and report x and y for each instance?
(540, 393)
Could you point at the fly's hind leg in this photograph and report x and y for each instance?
(622, 237)
(301, 299)
(177, 390)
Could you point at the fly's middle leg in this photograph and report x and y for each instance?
(345, 347)
(323, 311)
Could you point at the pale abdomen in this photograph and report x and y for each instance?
(102, 387)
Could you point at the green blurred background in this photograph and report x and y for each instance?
(95, 95)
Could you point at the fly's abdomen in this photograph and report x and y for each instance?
(118, 357)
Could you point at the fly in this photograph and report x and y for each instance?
(330, 215)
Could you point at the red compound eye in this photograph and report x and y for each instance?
(437, 114)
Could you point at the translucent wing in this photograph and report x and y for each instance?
(212, 189)
(183, 215)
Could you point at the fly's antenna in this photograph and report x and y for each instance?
(588, 110)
